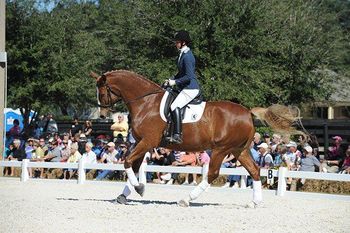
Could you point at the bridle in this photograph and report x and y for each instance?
(109, 96)
(110, 92)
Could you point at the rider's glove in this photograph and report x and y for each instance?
(166, 83)
(171, 82)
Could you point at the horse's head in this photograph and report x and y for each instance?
(106, 96)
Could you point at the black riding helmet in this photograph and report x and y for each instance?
(182, 35)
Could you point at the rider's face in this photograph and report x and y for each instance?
(178, 44)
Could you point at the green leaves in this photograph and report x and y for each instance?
(52, 54)
(251, 52)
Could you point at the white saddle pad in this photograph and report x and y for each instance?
(193, 113)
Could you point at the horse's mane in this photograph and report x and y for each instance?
(138, 76)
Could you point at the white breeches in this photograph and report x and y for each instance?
(184, 97)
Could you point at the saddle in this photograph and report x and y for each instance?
(190, 113)
(171, 97)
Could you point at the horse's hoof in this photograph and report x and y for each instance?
(253, 205)
(121, 199)
(140, 189)
(183, 203)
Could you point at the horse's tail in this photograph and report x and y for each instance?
(280, 118)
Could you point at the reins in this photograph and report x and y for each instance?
(140, 97)
(109, 95)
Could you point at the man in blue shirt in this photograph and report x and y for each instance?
(185, 80)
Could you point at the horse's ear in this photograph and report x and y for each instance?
(94, 75)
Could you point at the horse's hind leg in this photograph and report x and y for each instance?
(248, 163)
(214, 169)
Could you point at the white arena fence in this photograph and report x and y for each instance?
(282, 173)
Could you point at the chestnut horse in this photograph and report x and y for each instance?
(225, 127)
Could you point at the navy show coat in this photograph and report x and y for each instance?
(186, 77)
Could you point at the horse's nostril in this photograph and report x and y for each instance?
(102, 116)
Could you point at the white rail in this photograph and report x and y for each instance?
(282, 173)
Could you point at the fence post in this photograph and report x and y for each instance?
(81, 172)
(281, 189)
(326, 136)
(24, 174)
(243, 182)
(143, 173)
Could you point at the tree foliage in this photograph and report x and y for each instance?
(251, 52)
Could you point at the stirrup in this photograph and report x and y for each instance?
(177, 139)
(169, 139)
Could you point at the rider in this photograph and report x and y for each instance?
(185, 80)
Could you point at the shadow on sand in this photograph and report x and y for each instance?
(136, 202)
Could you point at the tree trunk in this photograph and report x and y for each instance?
(28, 126)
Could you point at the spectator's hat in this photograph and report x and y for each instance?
(266, 135)
(111, 144)
(308, 149)
(17, 141)
(82, 137)
(337, 138)
(263, 145)
(89, 144)
(292, 144)
(101, 136)
(104, 141)
(30, 140)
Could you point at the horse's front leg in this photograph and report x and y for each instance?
(135, 157)
(137, 165)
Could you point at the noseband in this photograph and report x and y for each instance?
(109, 96)
(110, 104)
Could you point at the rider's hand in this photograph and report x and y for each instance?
(166, 83)
(171, 82)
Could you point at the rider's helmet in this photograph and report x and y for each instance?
(182, 35)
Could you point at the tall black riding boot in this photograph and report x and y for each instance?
(177, 121)
(169, 133)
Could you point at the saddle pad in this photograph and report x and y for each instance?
(193, 112)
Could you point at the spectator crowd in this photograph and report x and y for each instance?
(78, 143)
